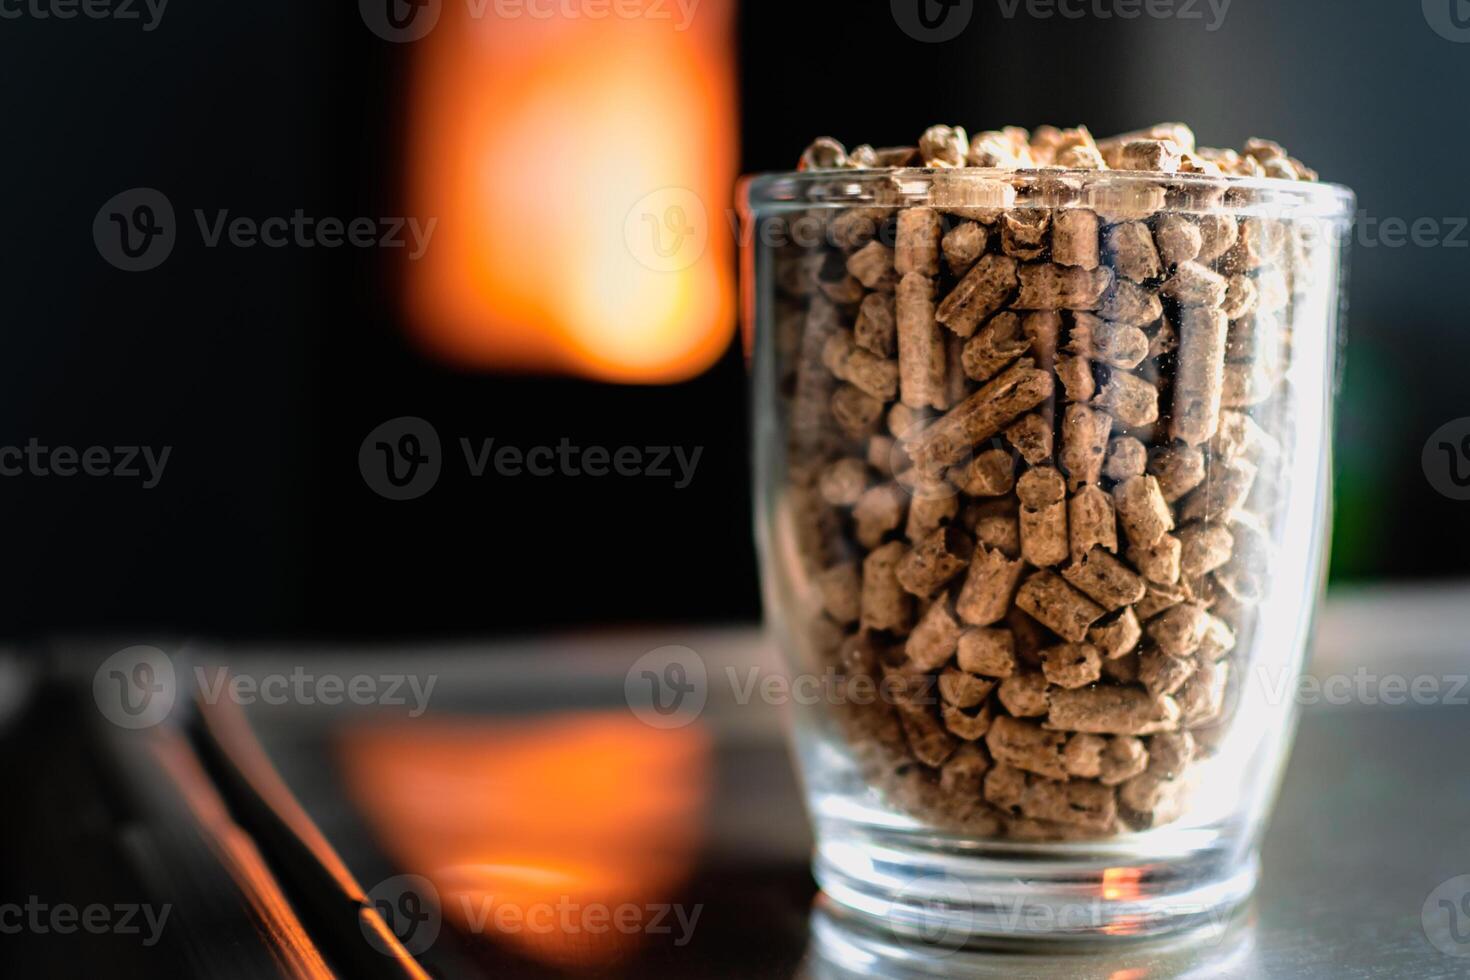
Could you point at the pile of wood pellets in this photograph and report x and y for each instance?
(1037, 437)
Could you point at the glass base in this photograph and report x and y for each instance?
(952, 894)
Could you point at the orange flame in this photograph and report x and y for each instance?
(579, 169)
(524, 827)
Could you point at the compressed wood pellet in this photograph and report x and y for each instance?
(872, 265)
(1071, 664)
(979, 294)
(1218, 641)
(1018, 389)
(921, 373)
(841, 588)
(1225, 491)
(1111, 711)
(1023, 234)
(963, 690)
(967, 724)
(1129, 399)
(1048, 599)
(1179, 469)
(878, 511)
(1074, 802)
(944, 146)
(1161, 673)
(1105, 580)
(1043, 496)
(1142, 510)
(1159, 562)
(933, 561)
(1046, 286)
(1241, 297)
(873, 375)
(1159, 155)
(1180, 629)
(1195, 285)
(844, 481)
(1157, 597)
(1151, 797)
(1218, 234)
(857, 412)
(916, 245)
(885, 604)
(1131, 251)
(1005, 786)
(1128, 302)
(997, 344)
(1119, 345)
(1127, 457)
(1027, 746)
(1124, 758)
(934, 637)
(990, 583)
(876, 329)
(1074, 238)
(1082, 755)
(1170, 752)
(1031, 436)
(1204, 548)
(1084, 445)
(1116, 637)
(962, 245)
(931, 743)
(990, 474)
(1091, 522)
(1177, 238)
(1199, 379)
(1044, 329)
(932, 504)
(997, 525)
(989, 651)
(1075, 373)
(1024, 695)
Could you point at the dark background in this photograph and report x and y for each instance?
(264, 369)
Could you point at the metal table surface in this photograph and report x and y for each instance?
(1371, 828)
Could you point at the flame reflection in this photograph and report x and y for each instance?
(528, 828)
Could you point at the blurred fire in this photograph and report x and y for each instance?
(525, 826)
(579, 167)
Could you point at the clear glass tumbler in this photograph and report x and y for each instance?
(1042, 464)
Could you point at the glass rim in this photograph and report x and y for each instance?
(776, 191)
